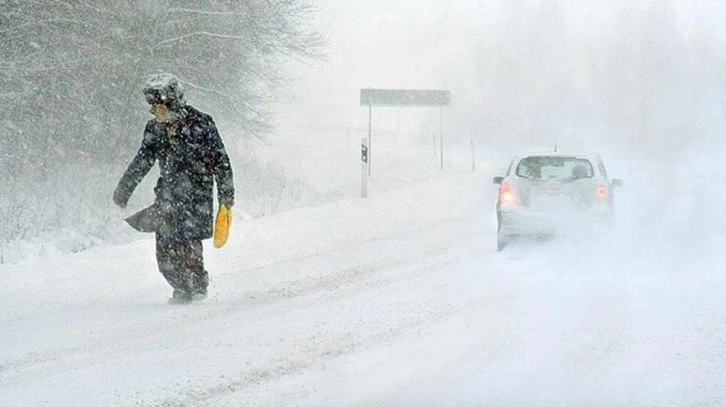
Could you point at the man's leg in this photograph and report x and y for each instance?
(171, 260)
(194, 263)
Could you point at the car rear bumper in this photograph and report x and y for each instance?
(515, 220)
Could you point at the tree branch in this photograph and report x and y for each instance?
(199, 33)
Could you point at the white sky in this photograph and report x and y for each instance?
(430, 45)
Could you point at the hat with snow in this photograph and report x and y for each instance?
(164, 88)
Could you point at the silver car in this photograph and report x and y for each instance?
(545, 194)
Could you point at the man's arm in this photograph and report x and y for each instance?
(222, 168)
(137, 170)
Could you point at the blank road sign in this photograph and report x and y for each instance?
(405, 97)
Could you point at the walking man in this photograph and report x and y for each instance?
(191, 158)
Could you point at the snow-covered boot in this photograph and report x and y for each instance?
(180, 297)
(199, 294)
(200, 282)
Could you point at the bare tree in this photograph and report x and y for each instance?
(72, 70)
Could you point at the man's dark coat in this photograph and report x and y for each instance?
(190, 159)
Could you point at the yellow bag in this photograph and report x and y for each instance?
(222, 226)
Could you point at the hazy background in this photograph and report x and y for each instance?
(643, 75)
(640, 80)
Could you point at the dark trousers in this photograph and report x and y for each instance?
(182, 265)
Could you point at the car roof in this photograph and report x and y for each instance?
(593, 157)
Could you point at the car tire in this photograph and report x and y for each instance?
(502, 239)
(501, 242)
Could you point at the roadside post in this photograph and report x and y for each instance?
(364, 167)
(473, 154)
(370, 137)
(433, 143)
(441, 137)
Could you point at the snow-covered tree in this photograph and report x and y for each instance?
(71, 73)
(72, 70)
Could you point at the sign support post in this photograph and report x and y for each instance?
(370, 133)
(364, 167)
(441, 137)
(473, 154)
(433, 143)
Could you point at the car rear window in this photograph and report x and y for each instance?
(554, 168)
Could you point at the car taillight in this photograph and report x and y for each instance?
(601, 192)
(506, 194)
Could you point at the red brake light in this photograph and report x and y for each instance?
(506, 194)
(601, 192)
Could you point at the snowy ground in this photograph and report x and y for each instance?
(395, 300)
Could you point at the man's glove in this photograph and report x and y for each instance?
(229, 203)
(222, 225)
(119, 198)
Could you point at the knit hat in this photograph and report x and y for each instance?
(164, 88)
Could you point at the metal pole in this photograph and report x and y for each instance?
(433, 142)
(473, 155)
(370, 143)
(441, 136)
(364, 157)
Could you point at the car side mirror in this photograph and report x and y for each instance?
(616, 182)
(497, 180)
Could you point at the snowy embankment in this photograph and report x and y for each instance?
(395, 300)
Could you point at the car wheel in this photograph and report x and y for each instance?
(501, 242)
(502, 239)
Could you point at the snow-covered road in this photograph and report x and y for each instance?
(396, 300)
